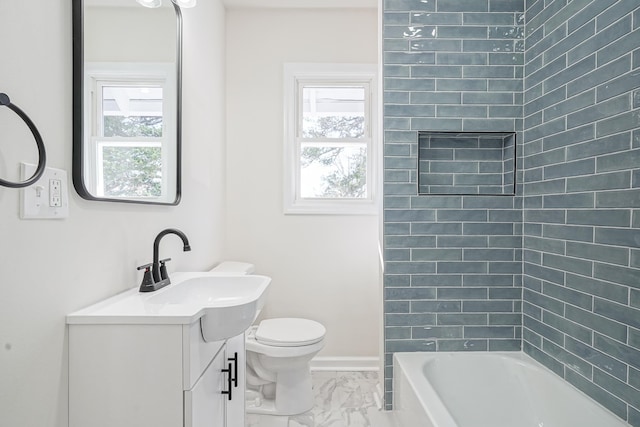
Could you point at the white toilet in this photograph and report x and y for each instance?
(278, 356)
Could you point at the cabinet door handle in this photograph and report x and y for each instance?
(234, 359)
(229, 382)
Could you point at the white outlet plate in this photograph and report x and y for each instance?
(47, 198)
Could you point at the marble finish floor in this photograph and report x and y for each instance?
(342, 399)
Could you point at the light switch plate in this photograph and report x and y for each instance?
(47, 198)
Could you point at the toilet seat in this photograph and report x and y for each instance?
(285, 337)
(289, 332)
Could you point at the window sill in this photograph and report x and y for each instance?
(323, 207)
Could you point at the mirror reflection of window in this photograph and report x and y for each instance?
(131, 111)
(130, 142)
(130, 168)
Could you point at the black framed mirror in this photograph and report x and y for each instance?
(127, 96)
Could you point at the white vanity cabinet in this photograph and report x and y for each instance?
(235, 407)
(139, 359)
(205, 404)
(217, 399)
(153, 375)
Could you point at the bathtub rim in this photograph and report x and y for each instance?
(418, 383)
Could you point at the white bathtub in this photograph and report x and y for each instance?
(492, 389)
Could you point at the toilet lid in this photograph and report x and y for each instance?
(289, 332)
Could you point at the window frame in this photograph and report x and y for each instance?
(296, 77)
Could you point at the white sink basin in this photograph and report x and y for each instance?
(225, 305)
(229, 304)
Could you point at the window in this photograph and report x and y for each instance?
(130, 150)
(329, 138)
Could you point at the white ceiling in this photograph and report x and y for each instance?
(301, 3)
(120, 3)
(257, 3)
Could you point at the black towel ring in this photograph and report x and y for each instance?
(42, 156)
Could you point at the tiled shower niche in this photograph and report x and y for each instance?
(466, 163)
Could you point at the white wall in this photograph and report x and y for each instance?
(323, 267)
(50, 268)
(142, 34)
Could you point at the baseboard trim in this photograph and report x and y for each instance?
(345, 364)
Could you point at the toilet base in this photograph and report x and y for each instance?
(274, 421)
(305, 420)
(293, 395)
(266, 407)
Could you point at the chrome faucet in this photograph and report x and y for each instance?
(155, 274)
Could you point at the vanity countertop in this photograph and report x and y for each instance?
(184, 301)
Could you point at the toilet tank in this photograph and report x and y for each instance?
(234, 267)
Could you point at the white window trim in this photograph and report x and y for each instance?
(96, 74)
(294, 74)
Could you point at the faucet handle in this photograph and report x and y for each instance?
(163, 268)
(145, 267)
(147, 279)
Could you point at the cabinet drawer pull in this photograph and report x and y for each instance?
(229, 382)
(234, 359)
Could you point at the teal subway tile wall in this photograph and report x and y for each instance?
(452, 262)
(555, 269)
(581, 316)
